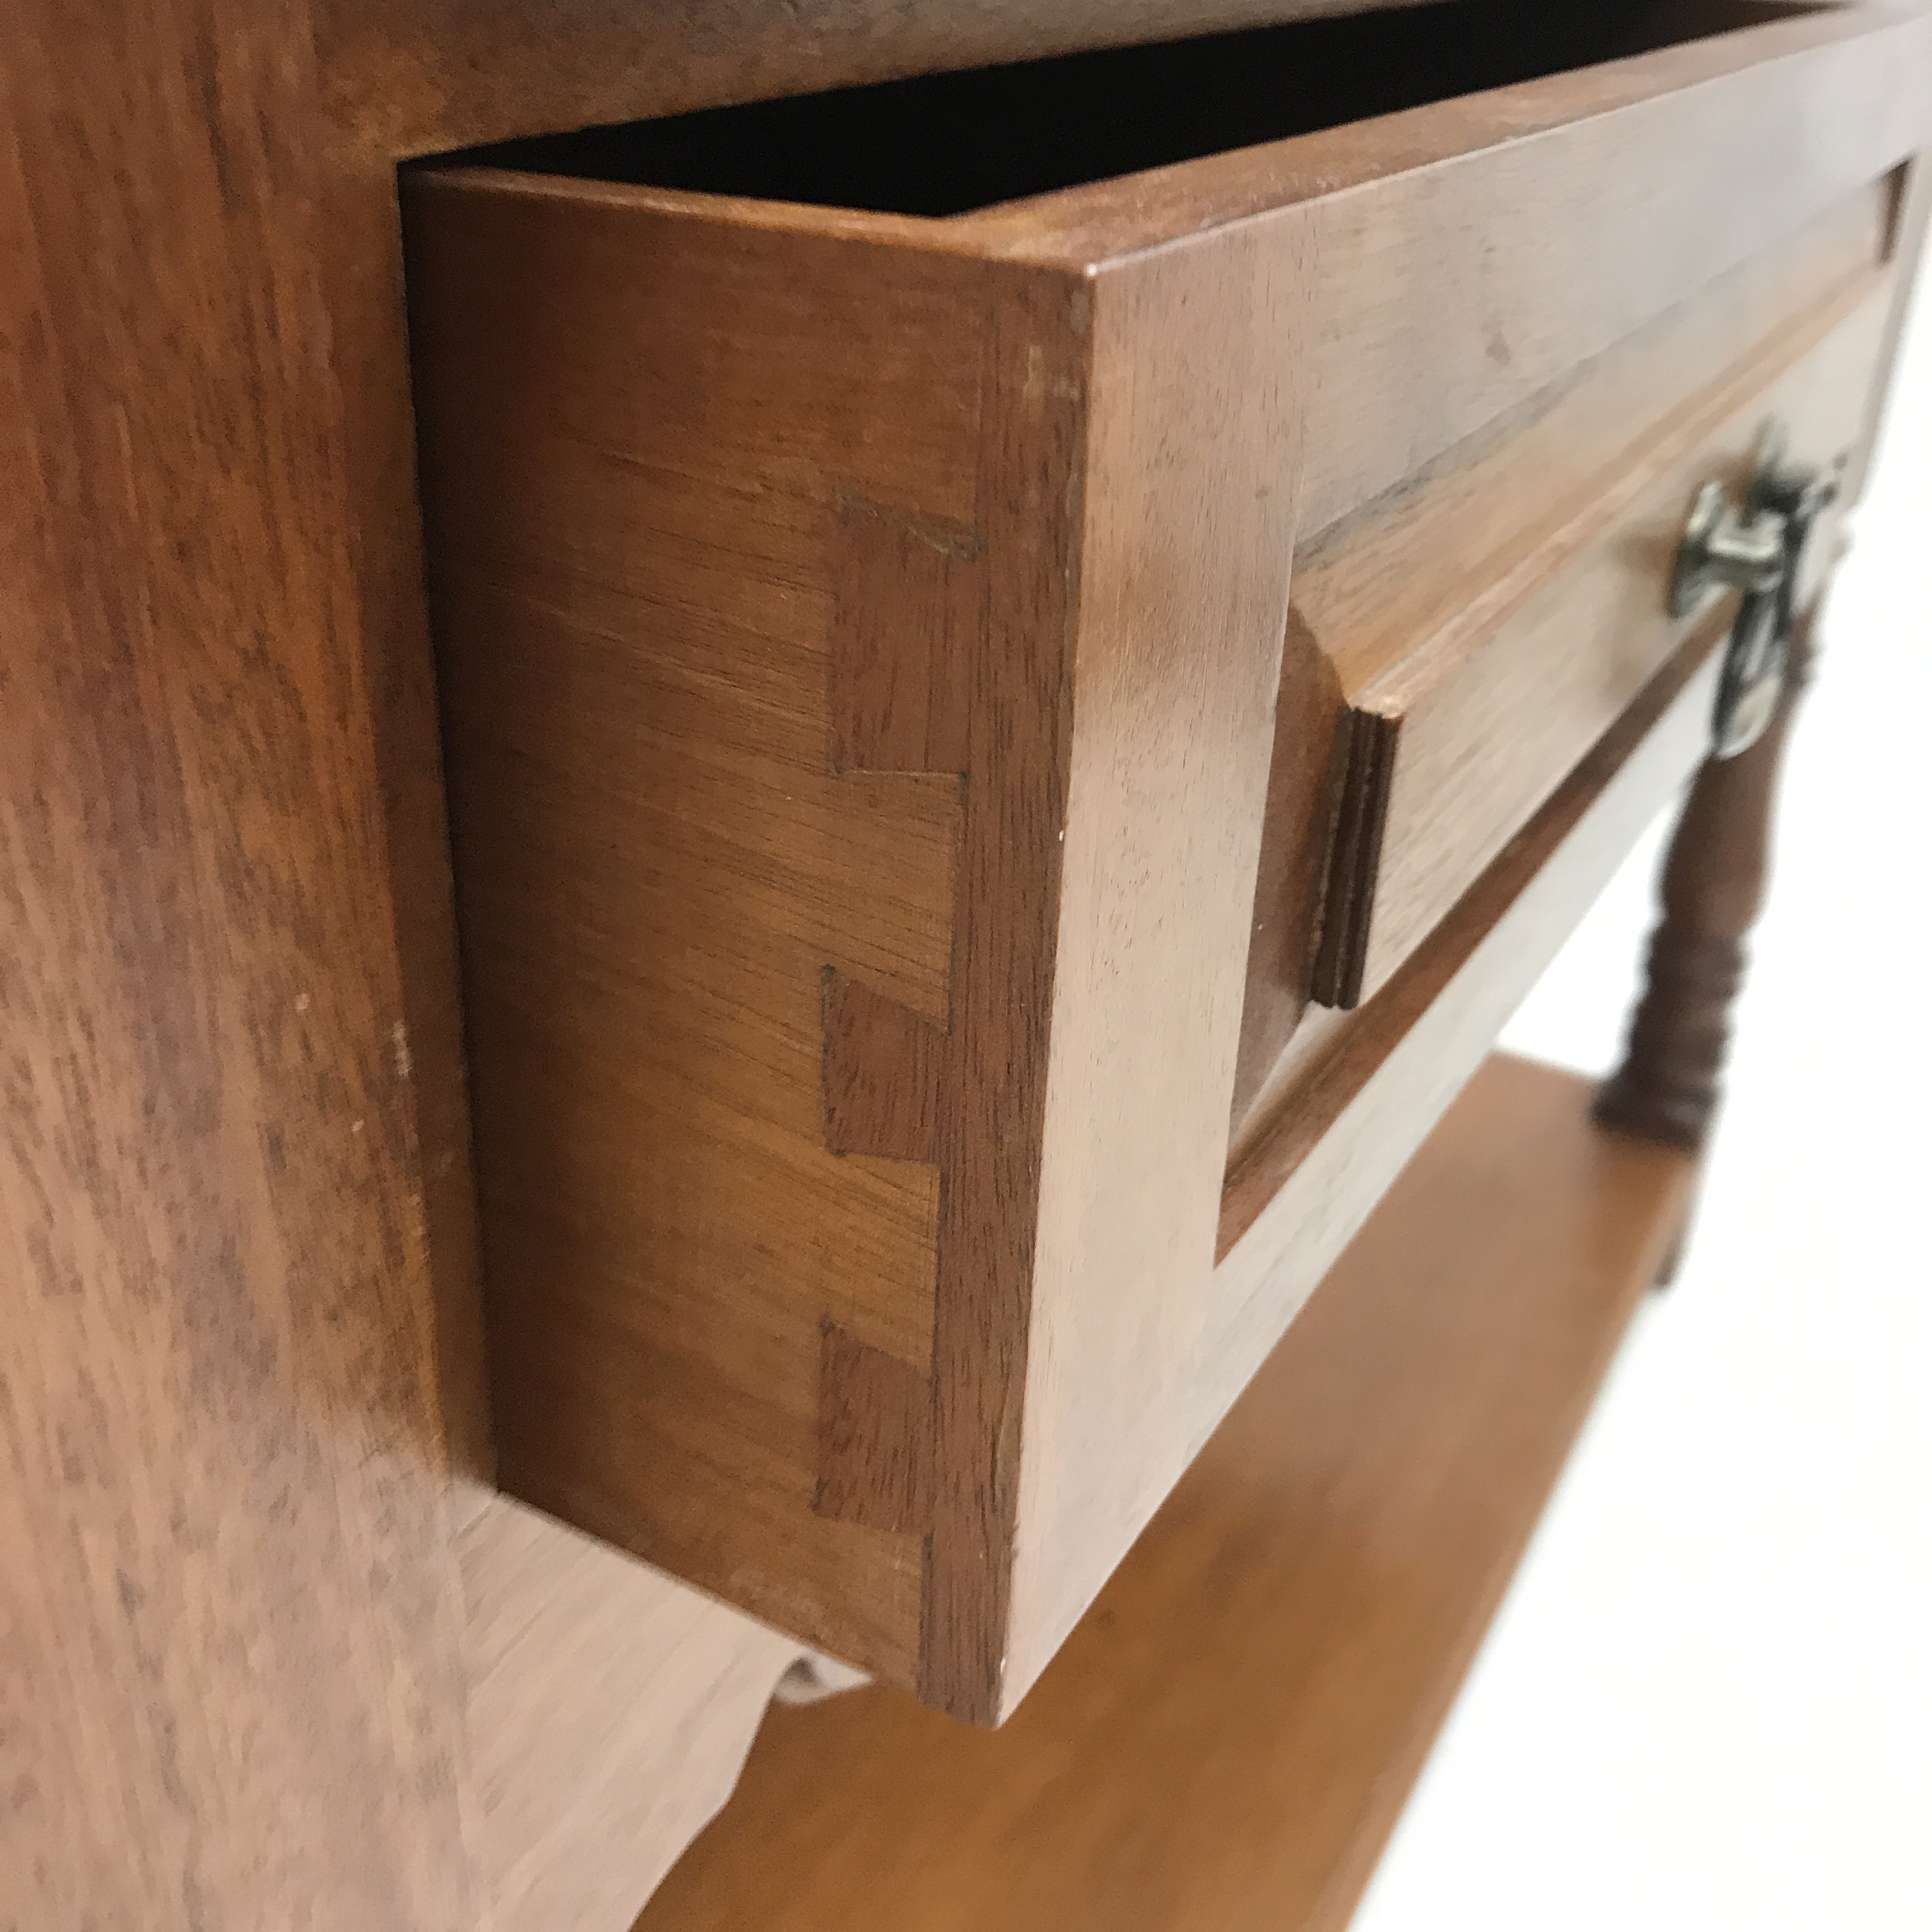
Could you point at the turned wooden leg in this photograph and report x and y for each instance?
(1668, 1085)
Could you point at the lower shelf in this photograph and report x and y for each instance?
(1226, 1741)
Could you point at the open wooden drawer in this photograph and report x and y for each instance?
(879, 783)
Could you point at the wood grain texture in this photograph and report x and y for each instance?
(1224, 1742)
(863, 649)
(945, 1063)
(610, 1707)
(451, 73)
(1491, 695)
(1603, 195)
(885, 1066)
(231, 1652)
(236, 1185)
(1439, 561)
(754, 848)
(1592, 229)
(874, 1449)
(1368, 1085)
(1189, 490)
(1011, 672)
(1295, 869)
(369, 340)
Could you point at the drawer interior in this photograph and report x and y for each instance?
(948, 144)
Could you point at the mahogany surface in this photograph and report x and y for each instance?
(861, 641)
(1474, 681)
(1224, 1742)
(241, 1391)
(231, 1624)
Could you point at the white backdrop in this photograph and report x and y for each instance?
(1707, 1704)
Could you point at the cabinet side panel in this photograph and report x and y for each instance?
(231, 1671)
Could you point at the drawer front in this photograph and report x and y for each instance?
(861, 637)
(1477, 628)
(1474, 682)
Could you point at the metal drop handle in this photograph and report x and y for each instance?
(1722, 549)
(1757, 550)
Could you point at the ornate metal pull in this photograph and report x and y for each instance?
(1722, 549)
(1756, 550)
